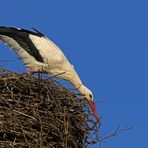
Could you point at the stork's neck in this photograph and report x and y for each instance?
(82, 89)
(76, 82)
(79, 85)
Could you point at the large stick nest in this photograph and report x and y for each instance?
(38, 112)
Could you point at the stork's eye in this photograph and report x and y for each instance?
(90, 95)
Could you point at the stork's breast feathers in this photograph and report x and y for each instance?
(48, 50)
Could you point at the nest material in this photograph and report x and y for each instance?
(40, 113)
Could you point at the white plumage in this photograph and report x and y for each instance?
(41, 54)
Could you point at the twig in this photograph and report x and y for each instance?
(116, 132)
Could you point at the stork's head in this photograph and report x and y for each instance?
(89, 96)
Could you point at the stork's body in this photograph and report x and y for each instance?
(41, 54)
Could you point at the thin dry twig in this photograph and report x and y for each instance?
(116, 132)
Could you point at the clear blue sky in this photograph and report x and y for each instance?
(107, 41)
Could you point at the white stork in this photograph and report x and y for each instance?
(41, 54)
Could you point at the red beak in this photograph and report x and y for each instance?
(93, 108)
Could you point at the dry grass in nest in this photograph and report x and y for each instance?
(39, 113)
